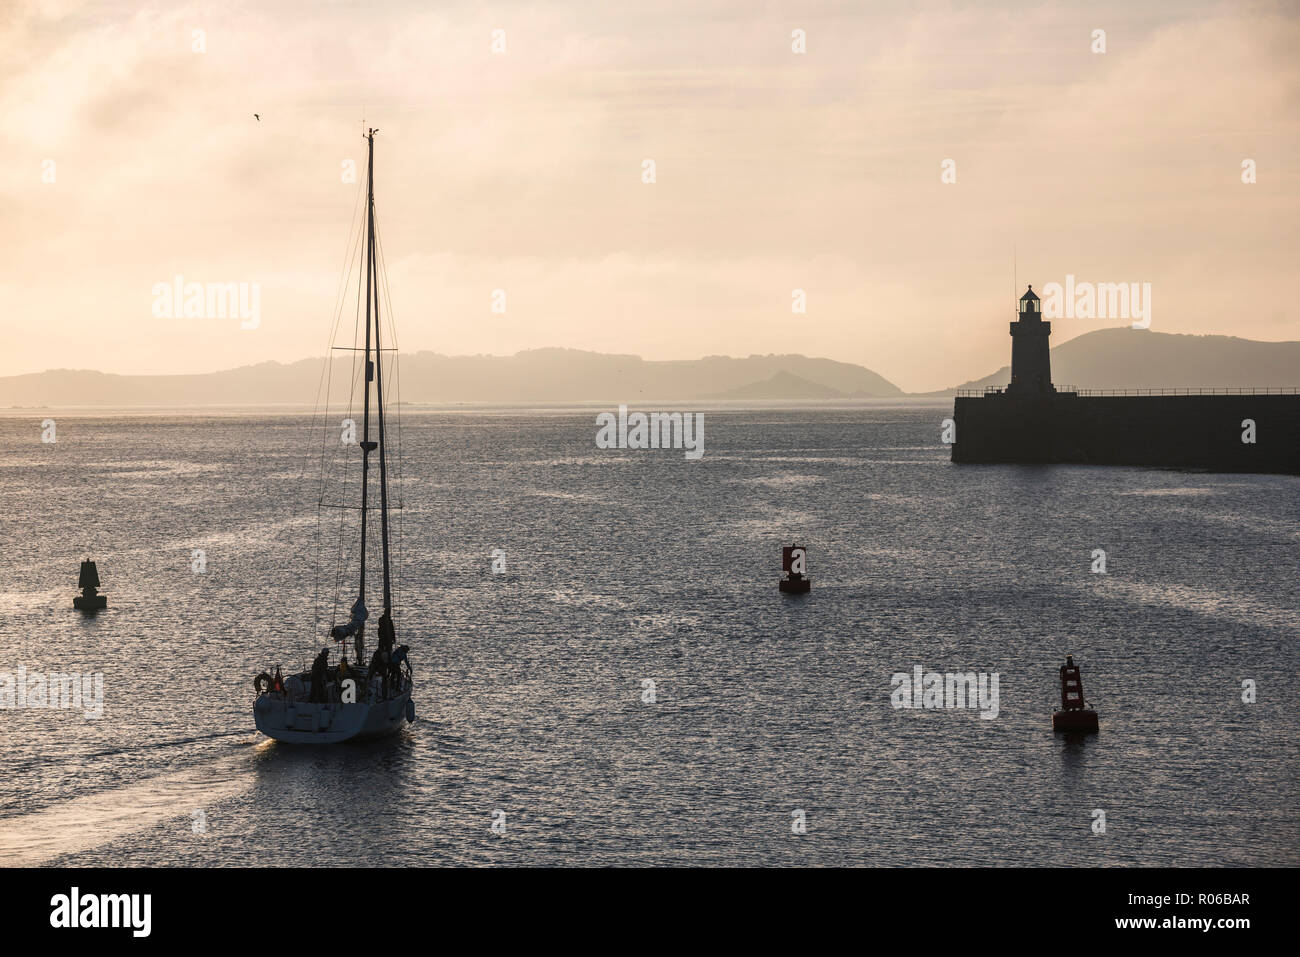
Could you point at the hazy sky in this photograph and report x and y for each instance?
(522, 171)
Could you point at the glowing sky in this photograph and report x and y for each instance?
(522, 171)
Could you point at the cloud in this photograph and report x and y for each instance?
(775, 171)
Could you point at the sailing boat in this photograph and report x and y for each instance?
(328, 704)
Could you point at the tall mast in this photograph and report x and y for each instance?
(379, 403)
(366, 445)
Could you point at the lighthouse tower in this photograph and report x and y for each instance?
(1031, 367)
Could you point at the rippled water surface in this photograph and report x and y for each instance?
(627, 566)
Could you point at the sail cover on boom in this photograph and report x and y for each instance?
(359, 615)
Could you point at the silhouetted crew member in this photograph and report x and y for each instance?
(380, 663)
(387, 634)
(399, 659)
(318, 670)
(379, 669)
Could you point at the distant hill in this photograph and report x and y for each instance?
(783, 385)
(1141, 359)
(1103, 359)
(539, 375)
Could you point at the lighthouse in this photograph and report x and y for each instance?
(1031, 367)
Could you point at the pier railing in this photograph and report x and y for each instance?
(1259, 390)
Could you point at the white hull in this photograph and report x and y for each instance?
(301, 722)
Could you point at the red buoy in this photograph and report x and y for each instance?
(90, 599)
(794, 562)
(1074, 715)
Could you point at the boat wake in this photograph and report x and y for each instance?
(94, 820)
(142, 748)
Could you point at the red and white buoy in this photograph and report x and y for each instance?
(1074, 715)
(794, 562)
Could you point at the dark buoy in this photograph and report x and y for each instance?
(1074, 715)
(89, 599)
(794, 561)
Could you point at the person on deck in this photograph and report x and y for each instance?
(379, 668)
(318, 670)
(399, 658)
(387, 634)
(380, 664)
